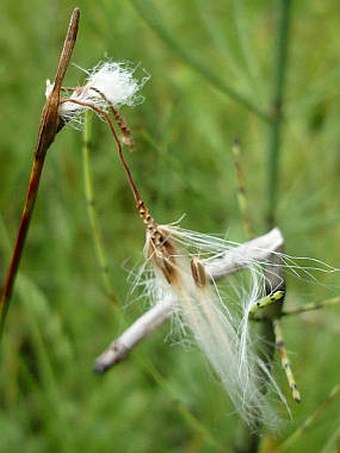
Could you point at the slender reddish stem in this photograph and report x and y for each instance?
(49, 126)
(135, 191)
(26, 216)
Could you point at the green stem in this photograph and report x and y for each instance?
(241, 191)
(283, 10)
(310, 420)
(91, 209)
(247, 440)
(311, 307)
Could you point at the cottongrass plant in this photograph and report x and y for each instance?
(180, 263)
(184, 265)
(180, 273)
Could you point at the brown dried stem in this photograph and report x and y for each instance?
(50, 124)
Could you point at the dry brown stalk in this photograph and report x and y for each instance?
(50, 125)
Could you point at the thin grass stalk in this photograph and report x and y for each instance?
(311, 306)
(241, 190)
(248, 440)
(282, 10)
(281, 43)
(91, 209)
(310, 420)
(245, 440)
(332, 444)
(283, 13)
(240, 17)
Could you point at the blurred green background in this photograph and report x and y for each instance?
(164, 398)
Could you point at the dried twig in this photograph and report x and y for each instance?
(140, 329)
(258, 249)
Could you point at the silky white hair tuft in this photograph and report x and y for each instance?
(219, 322)
(186, 267)
(108, 83)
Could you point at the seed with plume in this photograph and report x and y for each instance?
(109, 82)
(219, 325)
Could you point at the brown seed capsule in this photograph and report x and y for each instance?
(162, 251)
(198, 272)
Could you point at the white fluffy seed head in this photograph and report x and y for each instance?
(117, 82)
(114, 83)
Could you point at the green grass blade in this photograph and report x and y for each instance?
(144, 9)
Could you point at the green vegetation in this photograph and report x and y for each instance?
(214, 74)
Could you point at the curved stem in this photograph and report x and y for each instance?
(135, 191)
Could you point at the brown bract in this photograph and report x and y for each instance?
(50, 122)
(198, 272)
(160, 249)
